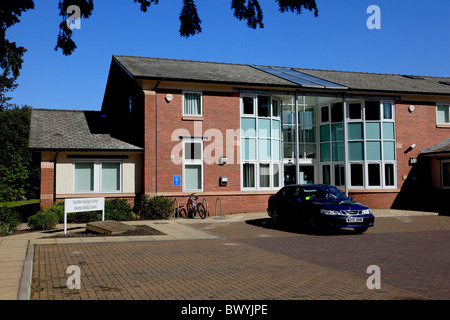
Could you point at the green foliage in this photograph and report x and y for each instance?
(153, 208)
(119, 210)
(19, 173)
(43, 220)
(9, 220)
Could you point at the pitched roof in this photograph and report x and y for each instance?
(246, 74)
(72, 130)
(201, 71)
(442, 147)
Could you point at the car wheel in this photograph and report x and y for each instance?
(312, 224)
(360, 229)
(275, 217)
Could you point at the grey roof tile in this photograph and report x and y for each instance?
(71, 130)
(442, 147)
(202, 71)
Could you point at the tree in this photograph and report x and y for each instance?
(190, 25)
(19, 172)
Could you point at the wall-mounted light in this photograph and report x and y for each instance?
(169, 97)
(410, 148)
(411, 108)
(412, 161)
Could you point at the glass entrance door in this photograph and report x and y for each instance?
(306, 175)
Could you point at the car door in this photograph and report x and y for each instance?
(292, 204)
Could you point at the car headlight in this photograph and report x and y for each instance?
(366, 211)
(330, 212)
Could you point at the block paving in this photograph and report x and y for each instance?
(252, 260)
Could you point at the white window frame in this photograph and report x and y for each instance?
(256, 162)
(97, 183)
(437, 119)
(193, 162)
(200, 93)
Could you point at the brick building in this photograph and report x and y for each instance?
(240, 132)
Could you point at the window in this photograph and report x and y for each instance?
(192, 104)
(443, 114)
(193, 165)
(371, 146)
(354, 111)
(261, 142)
(110, 176)
(97, 176)
(84, 176)
(445, 171)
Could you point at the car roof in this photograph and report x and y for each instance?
(308, 185)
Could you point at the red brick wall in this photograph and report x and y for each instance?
(221, 113)
(47, 184)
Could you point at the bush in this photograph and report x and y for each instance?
(43, 220)
(119, 210)
(9, 220)
(153, 208)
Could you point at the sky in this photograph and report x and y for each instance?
(413, 39)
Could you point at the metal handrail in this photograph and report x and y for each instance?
(221, 213)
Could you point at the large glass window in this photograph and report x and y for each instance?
(371, 135)
(261, 142)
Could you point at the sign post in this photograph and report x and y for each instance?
(81, 205)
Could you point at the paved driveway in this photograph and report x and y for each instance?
(248, 259)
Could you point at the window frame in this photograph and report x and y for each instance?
(193, 162)
(184, 114)
(447, 105)
(97, 176)
(260, 140)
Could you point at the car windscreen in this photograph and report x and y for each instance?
(318, 192)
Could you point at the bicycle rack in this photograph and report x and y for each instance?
(204, 201)
(175, 209)
(221, 215)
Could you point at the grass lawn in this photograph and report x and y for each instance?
(26, 208)
(14, 204)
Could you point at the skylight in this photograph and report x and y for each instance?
(414, 77)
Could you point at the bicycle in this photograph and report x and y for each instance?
(193, 207)
(179, 212)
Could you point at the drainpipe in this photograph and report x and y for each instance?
(297, 165)
(54, 176)
(346, 168)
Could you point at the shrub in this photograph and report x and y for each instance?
(43, 220)
(153, 208)
(118, 209)
(9, 220)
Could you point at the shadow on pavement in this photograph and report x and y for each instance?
(267, 223)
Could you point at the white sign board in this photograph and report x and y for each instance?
(81, 205)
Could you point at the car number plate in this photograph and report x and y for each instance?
(355, 220)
